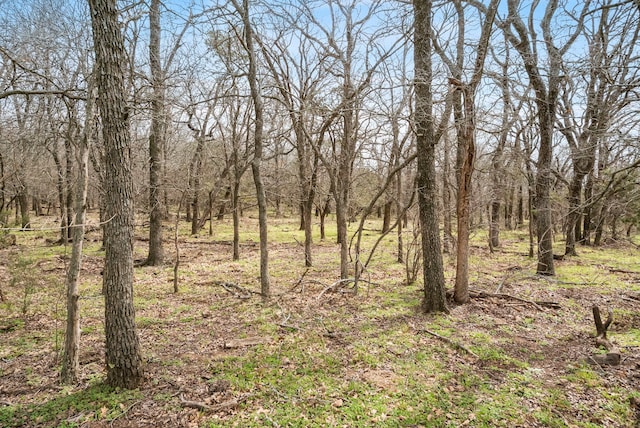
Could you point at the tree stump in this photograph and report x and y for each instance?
(612, 357)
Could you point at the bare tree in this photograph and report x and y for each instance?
(256, 95)
(607, 80)
(433, 272)
(524, 39)
(124, 364)
(465, 126)
(70, 364)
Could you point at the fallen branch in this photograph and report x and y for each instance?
(285, 324)
(335, 286)
(249, 341)
(299, 282)
(231, 287)
(538, 304)
(616, 270)
(227, 405)
(455, 345)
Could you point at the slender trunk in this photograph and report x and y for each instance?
(386, 219)
(235, 209)
(23, 201)
(61, 197)
(68, 179)
(256, 163)
(155, 255)
(399, 212)
(520, 206)
(446, 198)
(573, 217)
(341, 220)
(466, 140)
(70, 362)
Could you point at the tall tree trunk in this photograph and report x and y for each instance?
(467, 149)
(70, 361)
(155, 255)
(433, 272)
(123, 361)
(446, 197)
(235, 209)
(68, 178)
(22, 201)
(256, 163)
(61, 196)
(196, 168)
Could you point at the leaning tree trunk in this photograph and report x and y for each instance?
(123, 361)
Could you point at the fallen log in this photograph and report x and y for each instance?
(538, 304)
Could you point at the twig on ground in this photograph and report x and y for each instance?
(125, 411)
(299, 282)
(230, 287)
(455, 345)
(334, 286)
(285, 324)
(538, 304)
(230, 404)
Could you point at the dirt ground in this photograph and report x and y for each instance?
(545, 323)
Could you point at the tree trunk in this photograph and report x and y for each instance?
(155, 255)
(235, 201)
(70, 364)
(446, 198)
(68, 179)
(61, 197)
(256, 95)
(123, 361)
(433, 272)
(386, 219)
(22, 201)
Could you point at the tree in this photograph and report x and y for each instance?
(256, 96)
(524, 40)
(156, 138)
(124, 364)
(603, 83)
(465, 114)
(433, 272)
(70, 363)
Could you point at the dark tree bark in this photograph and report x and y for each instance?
(123, 361)
(433, 274)
(155, 255)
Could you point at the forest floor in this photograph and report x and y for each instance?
(315, 356)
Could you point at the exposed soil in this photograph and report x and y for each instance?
(186, 336)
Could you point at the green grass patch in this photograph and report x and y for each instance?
(97, 402)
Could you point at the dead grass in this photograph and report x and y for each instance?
(325, 359)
